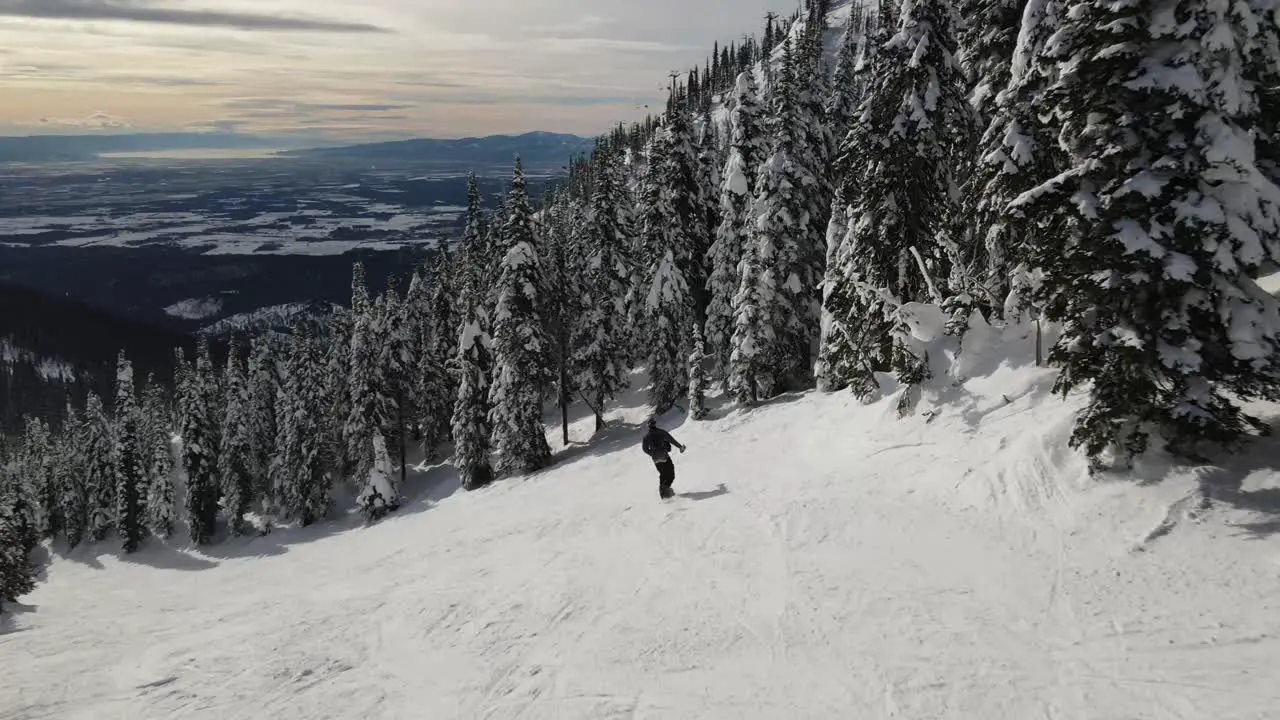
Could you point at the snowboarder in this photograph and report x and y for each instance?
(657, 445)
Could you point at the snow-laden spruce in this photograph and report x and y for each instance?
(1150, 237)
(900, 161)
(601, 335)
(520, 345)
(100, 486)
(747, 150)
(1017, 150)
(234, 455)
(199, 448)
(158, 459)
(300, 483)
(776, 310)
(127, 459)
(262, 387)
(471, 428)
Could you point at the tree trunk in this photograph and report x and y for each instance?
(564, 390)
(402, 439)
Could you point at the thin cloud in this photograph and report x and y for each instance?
(144, 11)
(271, 106)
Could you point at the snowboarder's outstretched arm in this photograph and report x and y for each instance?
(672, 440)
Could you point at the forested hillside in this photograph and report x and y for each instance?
(808, 207)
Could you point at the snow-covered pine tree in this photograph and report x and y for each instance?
(182, 374)
(899, 162)
(336, 411)
(848, 85)
(650, 234)
(18, 505)
(520, 346)
(816, 144)
(1017, 150)
(1264, 70)
(70, 469)
(697, 376)
(235, 453)
(437, 386)
(787, 256)
(747, 150)
(127, 459)
(99, 479)
(711, 159)
(302, 488)
(36, 465)
(17, 574)
(601, 351)
(562, 240)
(471, 428)
(317, 500)
(364, 416)
(1150, 236)
(474, 257)
(199, 449)
(987, 38)
(397, 366)
(157, 457)
(683, 208)
(262, 385)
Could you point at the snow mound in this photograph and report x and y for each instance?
(195, 308)
(824, 558)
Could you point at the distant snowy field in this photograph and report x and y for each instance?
(305, 232)
(826, 559)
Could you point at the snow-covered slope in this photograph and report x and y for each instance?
(826, 559)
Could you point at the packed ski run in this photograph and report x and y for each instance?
(822, 558)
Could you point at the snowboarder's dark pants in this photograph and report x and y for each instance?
(666, 476)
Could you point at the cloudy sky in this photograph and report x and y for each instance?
(350, 69)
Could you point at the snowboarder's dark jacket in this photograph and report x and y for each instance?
(657, 444)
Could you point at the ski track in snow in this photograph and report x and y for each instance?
(829, 560)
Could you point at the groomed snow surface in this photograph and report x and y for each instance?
(825, 559)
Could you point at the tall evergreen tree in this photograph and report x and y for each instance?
(1149, 238)
(36, 464)
(899, 158)
(129, 469)
(697, 376)
(17, 574)
(475, 256)
(520, 345)
(157, 457)
(298, 474)
(600, 338)
(1018, 149)
(73, 501)
(99, 480)
(199, 449)
(748, 149)
(471, 428)
(436, 385)
(235, 454)
(262, 384)
(987, 39)
(684, 207)
(847, 83)
(367, 409)
(788, 259)
(398, 366)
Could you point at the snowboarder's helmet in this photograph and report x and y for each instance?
(653, 422)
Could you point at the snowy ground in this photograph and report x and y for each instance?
(825, 560)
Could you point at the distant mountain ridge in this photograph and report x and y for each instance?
(532, 147)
